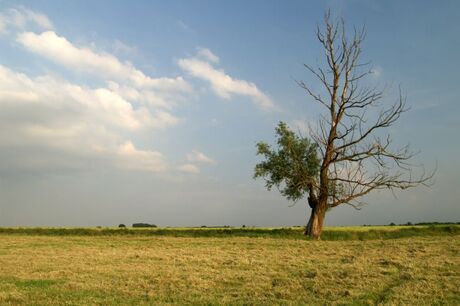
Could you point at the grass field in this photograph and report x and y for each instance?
(331, 233)
(55, 267)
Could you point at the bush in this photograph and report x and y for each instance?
(121, 225)
(143, 225)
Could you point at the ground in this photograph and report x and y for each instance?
(137, 270)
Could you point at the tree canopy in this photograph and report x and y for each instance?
(293, 167)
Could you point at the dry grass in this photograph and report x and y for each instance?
(51, 270)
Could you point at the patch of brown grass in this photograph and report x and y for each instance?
(234, 270)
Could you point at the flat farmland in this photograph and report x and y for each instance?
(228, 270)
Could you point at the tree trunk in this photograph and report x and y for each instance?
(315, 223)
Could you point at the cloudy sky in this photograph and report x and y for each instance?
(148, 111)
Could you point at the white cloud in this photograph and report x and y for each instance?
(59, 120)
(208, 55)
(123, 80)
(196, 156)
(224, 85)
(163, 119)
(147, 97)
(58, 49)
(189, 168)
(21, 18)
(101, 104)
(133, 159)
(80, 125)
(73, 122)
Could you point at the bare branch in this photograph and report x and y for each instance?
(356, 160)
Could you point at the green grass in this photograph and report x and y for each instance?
(331, 233)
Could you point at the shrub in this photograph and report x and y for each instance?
(143, 225)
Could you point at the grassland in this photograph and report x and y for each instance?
(331, 233)
(263, 267)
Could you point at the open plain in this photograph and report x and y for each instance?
(136, 269)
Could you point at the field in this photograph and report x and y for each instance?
(364, 266)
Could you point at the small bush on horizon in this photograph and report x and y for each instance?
(143, 225)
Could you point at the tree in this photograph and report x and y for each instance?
(347, 156)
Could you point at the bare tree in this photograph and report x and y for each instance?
(355, 159)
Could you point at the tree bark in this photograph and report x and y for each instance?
(314, 226)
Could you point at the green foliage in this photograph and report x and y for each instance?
(292, 167)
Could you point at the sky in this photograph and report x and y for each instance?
(149, 111)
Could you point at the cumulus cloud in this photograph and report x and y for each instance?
(196, 156)
(58, 49)
(189, 168)
(100, 105)
(129, 157)
(75, 125)
(122, 78)
(147, 97)
(223, 85)
(78, 122)
(73, 121)
(21, 18)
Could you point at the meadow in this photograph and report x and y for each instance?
(417, 265)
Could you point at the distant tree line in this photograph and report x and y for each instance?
(138, 225)
(147, 225)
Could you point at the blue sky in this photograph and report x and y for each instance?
(117, 112)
